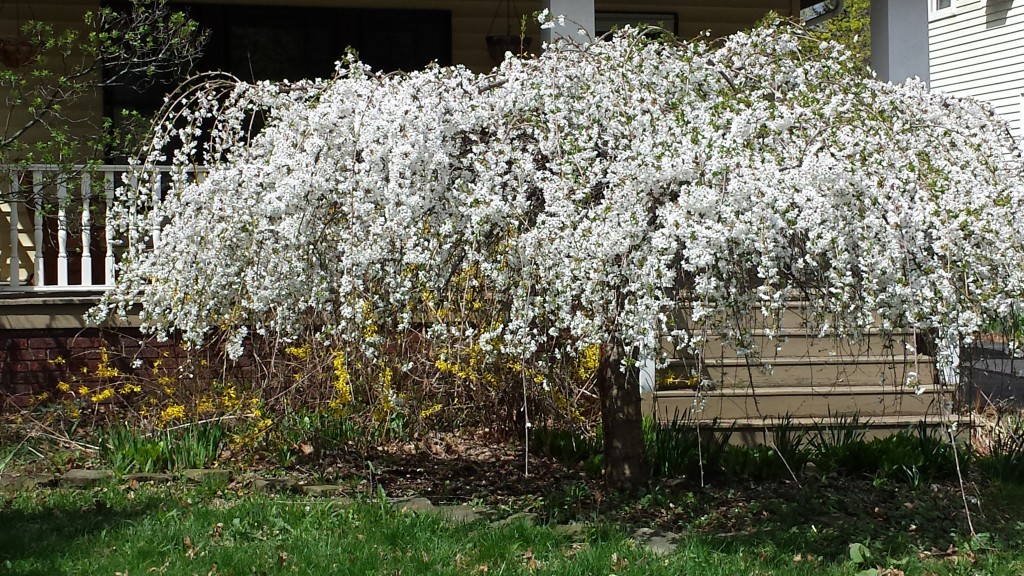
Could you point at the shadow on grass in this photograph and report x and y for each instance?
(822, 518)
(41, 531)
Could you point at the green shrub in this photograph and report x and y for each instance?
(681, 448)
(127, 450)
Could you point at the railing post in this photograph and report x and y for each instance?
(37, 193)
(15, 238)
(155, 214)
(86, 230)
(108, 269)
(62, 231)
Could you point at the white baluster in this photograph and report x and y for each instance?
(155, 214)
(108, 268)
(86, 230)
(133, 207)
(62, 231)
(37, 187)
(15, 269)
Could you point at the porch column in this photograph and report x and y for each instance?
(579, 14)
(899, 39)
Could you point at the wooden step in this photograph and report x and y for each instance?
(787, 368)
(794, 314)
(796, 342)
(800, 401)
(890, 370)
(758, 431)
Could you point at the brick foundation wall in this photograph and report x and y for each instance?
(34, 361)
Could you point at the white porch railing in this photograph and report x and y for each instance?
(53, 233)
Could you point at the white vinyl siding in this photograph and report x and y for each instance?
(979, 52)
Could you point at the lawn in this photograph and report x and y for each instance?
(772, 528)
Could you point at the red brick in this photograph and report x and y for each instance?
(34, 366)
(149, 352)
(86, 343)
(44, 343)
(17, 344)
(44, 354)
(19, 401)
(34, 378)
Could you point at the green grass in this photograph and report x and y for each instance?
(172, 530)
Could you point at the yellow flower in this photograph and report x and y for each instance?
(298, 352)
(588, 362)
(102, 395)
(130, 388)
(205, 405)
(172, 413)
(64, 387)
(82, 390)
(104, 369)
(229, 400)
(428, 412)
(341, 380)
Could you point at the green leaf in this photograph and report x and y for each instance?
(859, 553)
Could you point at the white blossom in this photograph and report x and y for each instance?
(599, 193)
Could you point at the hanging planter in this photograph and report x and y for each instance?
(17, 52)
(499, 45)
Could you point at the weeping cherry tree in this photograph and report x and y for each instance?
(590, 192)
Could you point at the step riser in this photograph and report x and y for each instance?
(810, 374)
(794, 315)
(756, 437)
(802, 405)
(753, 431)
(805, 345)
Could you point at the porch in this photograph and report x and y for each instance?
(53, 237)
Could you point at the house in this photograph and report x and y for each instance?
(53, 264)
(976, 49)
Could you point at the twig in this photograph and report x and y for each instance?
(207, 421)
(960, 479)
(791, 473)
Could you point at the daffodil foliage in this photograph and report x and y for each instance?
(587, 193)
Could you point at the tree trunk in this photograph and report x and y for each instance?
(621, 420)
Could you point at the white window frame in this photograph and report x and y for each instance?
(936, 13)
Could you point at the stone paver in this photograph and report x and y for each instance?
(274, 485)
(323, 490)
(154, 477)
(526, 517)
(414, 504)
(86, 478)
(656, 541)
(27, 481)
(207, 475)
(573, 530)
(459, 513)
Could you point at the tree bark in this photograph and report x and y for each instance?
(621, 420)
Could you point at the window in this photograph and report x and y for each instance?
(605, 22)
(941, 8)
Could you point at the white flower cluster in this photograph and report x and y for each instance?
(589, 192)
